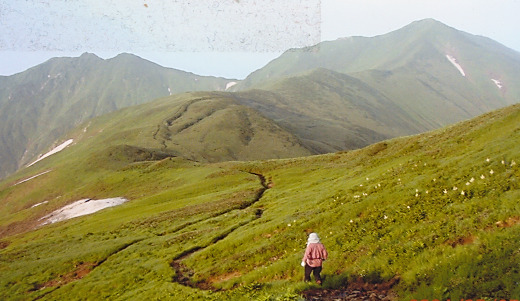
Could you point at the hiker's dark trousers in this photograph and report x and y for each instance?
(315, 270)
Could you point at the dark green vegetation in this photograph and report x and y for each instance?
(200, 126)
(40, 105)
(438, 210)
(330, 111)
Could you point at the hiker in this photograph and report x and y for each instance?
(315, 254)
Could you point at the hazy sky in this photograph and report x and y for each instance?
(228, 38)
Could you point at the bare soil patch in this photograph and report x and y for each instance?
(80, 271)
(355, 290)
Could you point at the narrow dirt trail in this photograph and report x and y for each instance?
(356, 290)
(80, 271)
(183, 274)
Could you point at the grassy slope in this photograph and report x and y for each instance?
(482, 58)
(45, 102)
(391, 85)
(200, 126)
(203, 126)
(395, 208)
(331, 111)
(409, 68)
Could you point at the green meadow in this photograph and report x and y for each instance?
(436, 213)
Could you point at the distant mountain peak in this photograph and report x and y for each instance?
(127, 55)
(57, 95)
(429, 21)
(428, 25)
(89, 55)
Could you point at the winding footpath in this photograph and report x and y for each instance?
(183, 274)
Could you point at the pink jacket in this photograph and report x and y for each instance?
(315, 254)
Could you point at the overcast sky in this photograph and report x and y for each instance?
(229, 38)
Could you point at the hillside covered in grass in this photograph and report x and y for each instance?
(334, 96)
(330, 111)
(41, 104)
(435, 215)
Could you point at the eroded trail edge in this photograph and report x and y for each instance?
(183, 274)
(81, 270)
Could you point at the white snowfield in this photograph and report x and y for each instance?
(35, 176)
(36, 205)
(497, 83)
(230, 84)
(57, 149)
(80, 208)
(454, 62)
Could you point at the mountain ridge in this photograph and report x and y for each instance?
(364, 53)
(435, 74)
(41, 104)
(330, 111)
(428, 73)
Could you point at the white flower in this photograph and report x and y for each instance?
(445, 191)
(472, 180)
(487, 160)
(455, 188)
(467, 183)
(288, 225)
(462, 192)
(416, 195)
(482, 177)
(368, 179)
(351, 221)
(385, 217)
(416, 190)
(503, 162)
(360, 185)
(426, 191)
(491, 172)
(513, 163)
(408, 207)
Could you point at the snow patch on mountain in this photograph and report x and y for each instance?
(36, 205)
(230, 84)
(497, 83)
(57, 149)
(453, 61)
(25, 180)
(80, 208)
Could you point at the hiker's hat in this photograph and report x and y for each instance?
(313, 238)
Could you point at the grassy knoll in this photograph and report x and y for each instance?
(438, 211)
